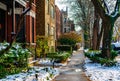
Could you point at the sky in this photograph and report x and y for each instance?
(61, 6)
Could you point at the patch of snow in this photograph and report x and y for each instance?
(74, 51)
(96, 72)
(81, 48)
(2, 46)
(86, 50)
(50, 63)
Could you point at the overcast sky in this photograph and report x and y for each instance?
(61, 6)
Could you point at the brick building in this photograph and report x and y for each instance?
(45, 23)
(10, 11)
(58, 22)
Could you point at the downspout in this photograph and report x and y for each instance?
(13, 19)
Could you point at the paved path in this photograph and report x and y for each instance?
(73, 71)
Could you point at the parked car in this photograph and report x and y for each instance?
(116, 46)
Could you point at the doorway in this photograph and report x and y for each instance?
(2, 25)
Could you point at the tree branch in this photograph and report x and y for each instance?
(99, 8)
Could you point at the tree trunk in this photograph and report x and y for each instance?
(107, 37)
(95, 31)
(99, 37)
(86, 39)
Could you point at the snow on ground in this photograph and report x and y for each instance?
(43, 74)
(96, 72)
(3, 46)
(48, 62)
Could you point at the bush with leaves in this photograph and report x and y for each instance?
(67, 41)
(72, 35)
(41, 45)
(96, 56)
(13, 61)
(70, 39)
(59, 56)
(107, 62)
(67, 48)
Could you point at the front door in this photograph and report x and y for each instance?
(2, 25)
(21, 35)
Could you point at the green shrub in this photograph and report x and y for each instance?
(67, 41)
(64, 48)
(3, 72)
(13, 61)
(107, 62)
(41, 45)
(96, 56)
(61, 56)
(113, 54)
(92, 54)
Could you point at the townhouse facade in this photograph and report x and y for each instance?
(45, 21)
(10, 12)
(67, 25)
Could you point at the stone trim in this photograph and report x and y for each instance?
(18, 10)
(32, 13)
(3, 6)
(22, 2)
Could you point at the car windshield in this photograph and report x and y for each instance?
(116, 44)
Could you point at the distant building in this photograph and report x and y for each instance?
(46, 20)
(10, 11)
(67, 25)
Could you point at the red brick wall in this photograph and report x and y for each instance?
(29, 26)
(9, 28)
(58, 22)
(35, 30)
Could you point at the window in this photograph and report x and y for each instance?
(52, 31)
(2, 25)
(65, 30)
(65, 20)
(48, 30)
(47, 6)
(52, 11)
(32, 30)
(21, 35)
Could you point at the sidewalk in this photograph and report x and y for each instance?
(73, 71)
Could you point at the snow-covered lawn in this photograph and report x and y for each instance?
(43, 74)
(96, 72)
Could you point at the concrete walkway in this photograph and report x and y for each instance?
(73, 71)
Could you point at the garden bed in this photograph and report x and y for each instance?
(35, 74)
(55, 59)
